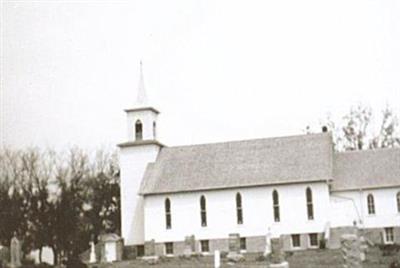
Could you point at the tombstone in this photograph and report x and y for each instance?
(92, 258)
(4, 255)
(363, 248)
(277, 259)
(150, 248)
(217, 259)
(189, 246)
(234, 248)
(234, 243)
(268, 242)
(111, 247)
(15, 251)
(351, 253)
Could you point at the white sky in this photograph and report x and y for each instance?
(217, 70)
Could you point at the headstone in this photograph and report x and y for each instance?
(234, 243)
(217, 259)
(189, 248)
(363, 248)
(234, 249)
(15, 251)
(4, 255)
(150, 248)
(268, 243)
(350, 247)
(277, 258)
(92, 258)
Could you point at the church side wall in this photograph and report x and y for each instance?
(221, 213)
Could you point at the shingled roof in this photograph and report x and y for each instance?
(293, 159)
(366, 169)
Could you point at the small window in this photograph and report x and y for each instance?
(154, 130)
(389, 237)
(138, 130)
(140, 250)
(204, 244)
(275, 201)
(310, 207)
(239, 209)
(313, 238)
(243, 243)
(371, 204)
(296, 241)
(203, 211)
(168, 213)
(398, 202)
(169, 248)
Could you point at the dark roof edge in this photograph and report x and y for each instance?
(140, 143)
(366, 188)
(142, 109)
(235, 187)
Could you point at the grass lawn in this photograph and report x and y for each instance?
(300, 259)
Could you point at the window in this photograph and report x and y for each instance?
(140, 250)
(398, 202)
(154, 130)
(243, 243)
(371, 204)
(168, 213)
(169, 248)
(203, 211)
(239, 210)
(275, 201)
(204, 245)
(313, 239)
(295, 241)
(138, 130)
(310, 209)
(389, 237)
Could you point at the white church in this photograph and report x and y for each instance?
(295, 187)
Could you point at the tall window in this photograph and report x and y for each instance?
(154, 130)
(310, 209)
(371, 204)
(398, 202)
(203, 211)
(239, 209)
(168, 213)
(275, 201)
(169, 248)
(313, 240)
(138, 130)
(243, 243)
(204, 246)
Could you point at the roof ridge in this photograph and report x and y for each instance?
(287, 137)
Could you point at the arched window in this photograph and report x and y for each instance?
(398, 202)
(138, 130)
(203, 211)
(310, 209)
(168, 213)
(275, 201)
(371, 204)
(239, 209)
(154, 130)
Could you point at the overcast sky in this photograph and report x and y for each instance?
(217, 70)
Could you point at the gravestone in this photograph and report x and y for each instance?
(92, 258)
(15, 252)
(217, 259)
(268, 242)
(189, 248)
(234, 249)
(277, 257)
(150, 248)
(351, 253)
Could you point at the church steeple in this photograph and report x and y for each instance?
(142, 118)
(141, 99)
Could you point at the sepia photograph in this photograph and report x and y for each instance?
(199, 134)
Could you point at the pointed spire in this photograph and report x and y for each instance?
(141, 98)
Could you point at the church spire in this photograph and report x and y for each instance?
(141, 99)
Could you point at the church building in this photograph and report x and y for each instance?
(296, 187)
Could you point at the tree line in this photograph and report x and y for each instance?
(60, 200)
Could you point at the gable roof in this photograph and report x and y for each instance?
(247, 163)
(366, 169)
